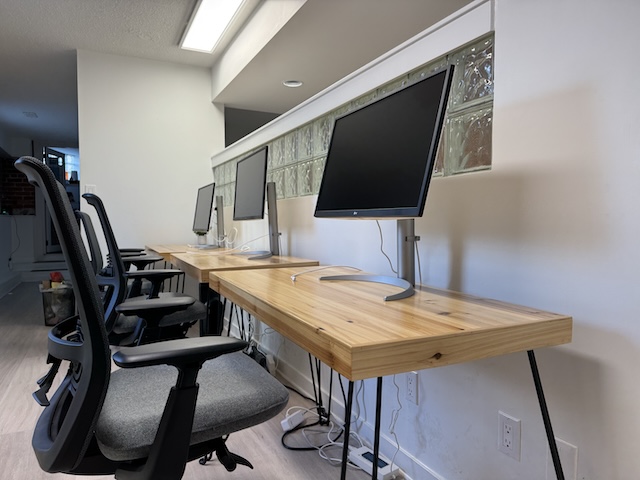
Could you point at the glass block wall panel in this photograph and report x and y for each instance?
(305, 178)
(473, 78)
(296, 160)
(438, 168)
(277, 152)
(291, 148)
(424, 72)
(277, 177)
(305, 141)
(316, 175)
(291, 181)
(391, 87)
(469, 140)
(322, 134)
(228, 192)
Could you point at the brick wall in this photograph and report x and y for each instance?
(17, 195)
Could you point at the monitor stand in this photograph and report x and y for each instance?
(256, 254)
(202, 243)
(406, 264)
(274, 233)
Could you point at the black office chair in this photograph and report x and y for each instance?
(100, 422)
(120, 297)
(154, 278)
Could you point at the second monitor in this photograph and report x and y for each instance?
(251, 185)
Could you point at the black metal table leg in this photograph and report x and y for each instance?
(347, 432)
(376, 432)
(545, 416)
(214, 321)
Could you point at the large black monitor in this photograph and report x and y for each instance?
(381, 156)
(251, 180)
(251, 186)
(380, 162)
(204, 207)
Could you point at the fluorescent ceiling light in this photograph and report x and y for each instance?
(209, 22)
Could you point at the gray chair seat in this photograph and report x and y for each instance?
(235, 393)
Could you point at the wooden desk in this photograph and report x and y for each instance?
(165, 251)
(352, 329)
(199, 264)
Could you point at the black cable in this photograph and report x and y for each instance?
(295, 429)
(288, 387)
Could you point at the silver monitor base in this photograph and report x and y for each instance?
(398, 282)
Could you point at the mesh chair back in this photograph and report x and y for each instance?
(115, 276)
(66, 427)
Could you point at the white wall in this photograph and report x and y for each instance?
(8, 278)
(147, 130)
(553, 226)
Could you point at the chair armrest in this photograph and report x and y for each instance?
(156, 276)
(153, 309)
(140, 260)
(131, 250)
(162, 273)
(178, 353)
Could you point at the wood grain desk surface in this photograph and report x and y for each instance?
(199, 264)
(351, 328)
(166, 250)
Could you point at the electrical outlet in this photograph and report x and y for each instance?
(412, 387)
(509, 435)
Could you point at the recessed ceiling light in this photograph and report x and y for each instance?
(292, 83)
(210, 20)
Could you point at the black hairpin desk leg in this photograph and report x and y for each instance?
(545, 416)
(347, 432)
(214, 321)
(376, 432)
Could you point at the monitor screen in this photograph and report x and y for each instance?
(204, 207)
(381, 156)
(251, 177)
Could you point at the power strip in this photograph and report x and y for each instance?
(363, 458)
(292, 421)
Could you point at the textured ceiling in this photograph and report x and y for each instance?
(324, 41)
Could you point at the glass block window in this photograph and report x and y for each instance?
(296, 159)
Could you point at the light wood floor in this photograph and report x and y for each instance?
(22, 361)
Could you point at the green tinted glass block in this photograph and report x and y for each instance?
(305, 181)
(427, 70)
(227, 193)
(316, 174)
(393, 86)
(469, 140)
(277, 177)
(290, 148)
(217, 175)
(305, 141)
(291, 181)
(231, 170)
(342, 110)
(438, 168)
(364, 100)
(473, 77)
(322, 134)
(277, 154)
